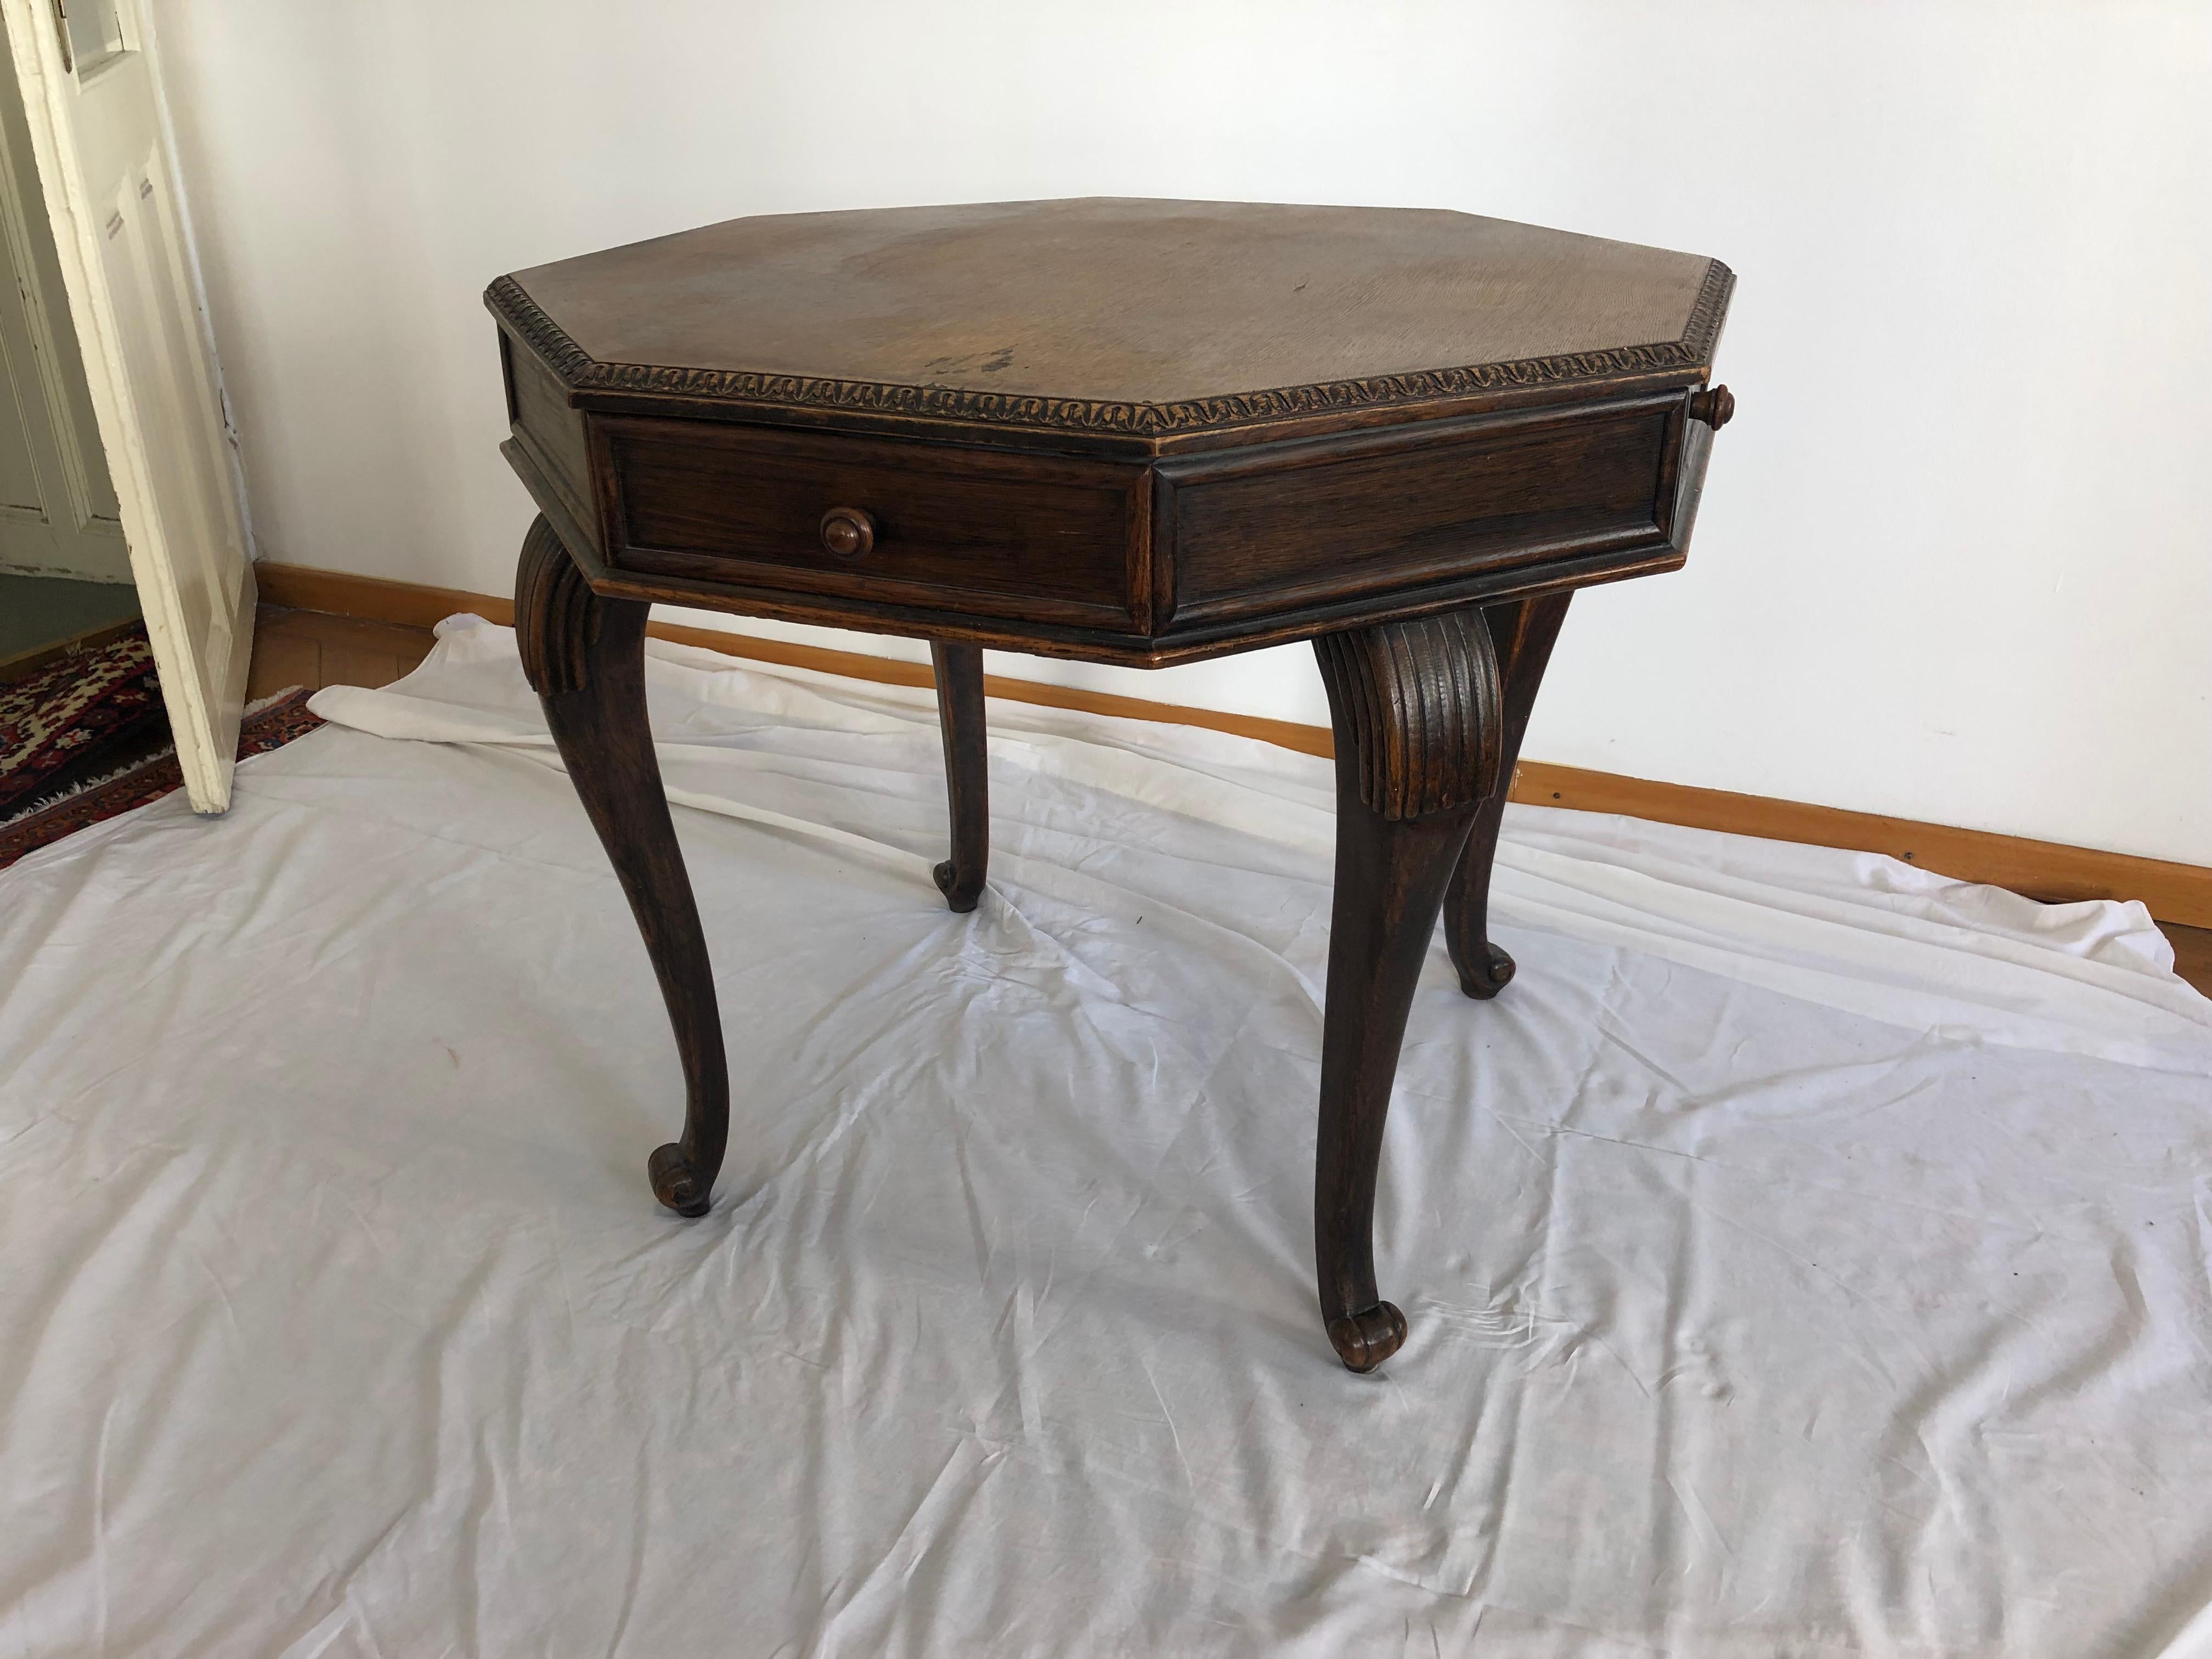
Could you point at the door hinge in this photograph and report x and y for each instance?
(61, 33)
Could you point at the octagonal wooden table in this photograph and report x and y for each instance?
(1134, 432)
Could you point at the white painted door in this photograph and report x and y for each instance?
(92, 109)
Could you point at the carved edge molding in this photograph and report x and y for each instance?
(1422, 700)
(506, 299)
(556, 616)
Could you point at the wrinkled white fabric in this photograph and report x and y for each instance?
(1804, 1255)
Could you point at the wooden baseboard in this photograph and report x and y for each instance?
(371, 599)
(2048, 870)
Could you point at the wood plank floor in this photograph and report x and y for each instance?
(305, 647)
(300, 647)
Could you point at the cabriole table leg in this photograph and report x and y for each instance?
(1417, 711)
(584, 657)
(960, 719)
(1521, 633)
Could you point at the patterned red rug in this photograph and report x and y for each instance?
(270, 725)
(55, 723)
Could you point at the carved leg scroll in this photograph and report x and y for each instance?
(960, 717)
(584, 657)
(1523, 633)
(1415, 707)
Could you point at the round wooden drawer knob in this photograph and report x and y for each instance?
(847, 532)
(1715, 407)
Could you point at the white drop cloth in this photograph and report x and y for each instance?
(1805, 1255)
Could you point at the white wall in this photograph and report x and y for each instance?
(1954, 561)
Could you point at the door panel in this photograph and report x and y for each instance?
(22, 492)
(57, 510)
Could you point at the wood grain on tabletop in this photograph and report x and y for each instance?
(1114, 300)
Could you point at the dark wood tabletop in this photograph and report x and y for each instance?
(1127, 431)
(1160, 318)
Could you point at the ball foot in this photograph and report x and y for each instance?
(676, 1183)
(1364, 1339)
(1486, 979)
(959, 896)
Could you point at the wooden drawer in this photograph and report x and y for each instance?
(1258, 531)
(992, 531)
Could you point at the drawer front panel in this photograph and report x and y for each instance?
(998, 533)
(1339, 519)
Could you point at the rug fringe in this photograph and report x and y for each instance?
(40, 803)
(262, 704)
